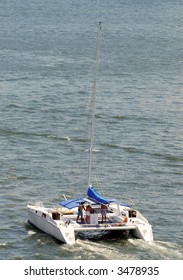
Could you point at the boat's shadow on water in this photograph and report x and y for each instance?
(105, 236)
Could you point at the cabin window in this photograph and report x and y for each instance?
(132, 214)
(56, 216)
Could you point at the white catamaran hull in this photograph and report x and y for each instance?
(42, 219)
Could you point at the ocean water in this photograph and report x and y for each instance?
(47, 51)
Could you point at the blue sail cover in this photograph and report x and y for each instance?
(72, 203)
(94, 195)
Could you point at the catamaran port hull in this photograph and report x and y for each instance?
(41, 219)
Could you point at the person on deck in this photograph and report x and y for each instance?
(88, 212)
(103, 212)
(124, 219)
(80, 212)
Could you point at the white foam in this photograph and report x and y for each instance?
(31, 232)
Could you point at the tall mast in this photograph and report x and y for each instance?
(93, 103)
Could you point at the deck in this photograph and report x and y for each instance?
(105, 227)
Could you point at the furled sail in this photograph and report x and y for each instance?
(94, 195)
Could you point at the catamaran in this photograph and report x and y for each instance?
(105, 215)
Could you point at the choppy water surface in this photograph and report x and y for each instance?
(47, 48)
